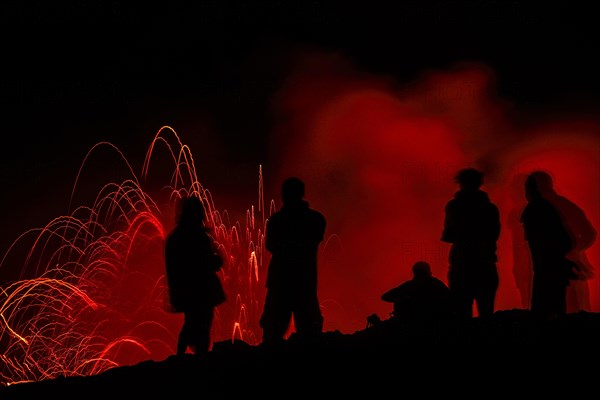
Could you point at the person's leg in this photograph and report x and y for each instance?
(201, 330)
(557, 299)
(183, 339)
(308, 318)
(462, 296)
(485, 297)
(543, 296)
(276, 318)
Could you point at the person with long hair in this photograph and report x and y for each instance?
(192, 262)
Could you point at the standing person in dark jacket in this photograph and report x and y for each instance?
(472, 226)
(550, 243)
(293, 234)
(192, 262)
(581, 232)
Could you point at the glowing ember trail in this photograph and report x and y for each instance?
(92, 293)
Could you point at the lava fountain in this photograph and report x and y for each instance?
(92, 290)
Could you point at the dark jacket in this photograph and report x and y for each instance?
(192, 263)
(292, 237)
(548, 239)
(472, 225)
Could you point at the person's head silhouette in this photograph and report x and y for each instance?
(421, 269)
(538, 184)
(292, 190)
(469, 178)
(191, 209)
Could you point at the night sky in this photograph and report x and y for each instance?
(222, 74)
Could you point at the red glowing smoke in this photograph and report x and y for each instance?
(378, 159)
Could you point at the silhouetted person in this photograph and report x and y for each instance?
(192, 263)
(424, 298)
(472, 226)
(292, 236)
(583, 236)
(522, 267)
(557, 233)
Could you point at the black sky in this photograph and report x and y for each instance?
(78, 73)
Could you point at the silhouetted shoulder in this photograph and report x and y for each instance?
(318, 217)
(439, 283)
(394, 294)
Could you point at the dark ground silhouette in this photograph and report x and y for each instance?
(508, 354)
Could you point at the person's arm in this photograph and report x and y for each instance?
(209, 254)
(449, 229)
(322, 227)
(496, 223)
(270, 236)
(390, 296)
